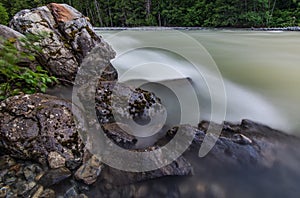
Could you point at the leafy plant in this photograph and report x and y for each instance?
(15, 79)
(3, 15)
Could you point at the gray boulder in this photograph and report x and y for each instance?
(13, 36)
(8, 33)
(70, 37)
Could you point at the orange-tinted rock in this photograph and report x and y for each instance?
(61, 13)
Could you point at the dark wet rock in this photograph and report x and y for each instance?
(89, 171)
(73, 193)
(54, 176)
(55, 160)
(180, 167)
(31, 126)
(71, 37)
(47, 193)
(9, 178)
(249, 143)
(115, 101)
(19, 178)
(119, 135)
(22, 188)
(6, 162)
(241, 139)
(32, 172)
(82, 196)
(124, 106)
(3, 191)
(215, 190)
(151, 189)
(38, 191)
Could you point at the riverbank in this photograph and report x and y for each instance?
(153, 28)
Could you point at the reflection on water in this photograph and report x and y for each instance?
(260, 70)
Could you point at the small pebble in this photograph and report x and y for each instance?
(55, 160)
(3, 191)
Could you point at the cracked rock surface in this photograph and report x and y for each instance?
(70, 37)
(32, 126)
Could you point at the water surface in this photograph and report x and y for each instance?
(260, 70)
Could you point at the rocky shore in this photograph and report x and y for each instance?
(44, 152)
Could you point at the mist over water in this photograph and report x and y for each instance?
(260, 71)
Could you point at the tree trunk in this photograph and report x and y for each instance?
(91, 15)
(110, 15)
(148, 8)
(98, 12)
(159, 20)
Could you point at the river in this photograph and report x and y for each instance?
(260, 70)
(232, 75)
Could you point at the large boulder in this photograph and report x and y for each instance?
(33, 126)
(8, 34)
(70, 37)
(249, 144)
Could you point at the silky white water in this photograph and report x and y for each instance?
(260, 71)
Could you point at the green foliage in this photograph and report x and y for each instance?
(15, 79)
(211, 13)
(3, 15)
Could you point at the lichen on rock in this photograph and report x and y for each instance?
(32, 126)
(70, 37)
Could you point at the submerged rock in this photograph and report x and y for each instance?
(18, 178)
(114, 177)
(47, 193)
(246, 144)
(70, 37)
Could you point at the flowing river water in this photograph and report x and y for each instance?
(260, 74)
(260, 69)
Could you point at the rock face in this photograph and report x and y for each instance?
(70, 37)
(119, 108)
(180, 167)
(32, 126)
(249, 144)
(118, 101)
(13, 36)
(8, 33)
